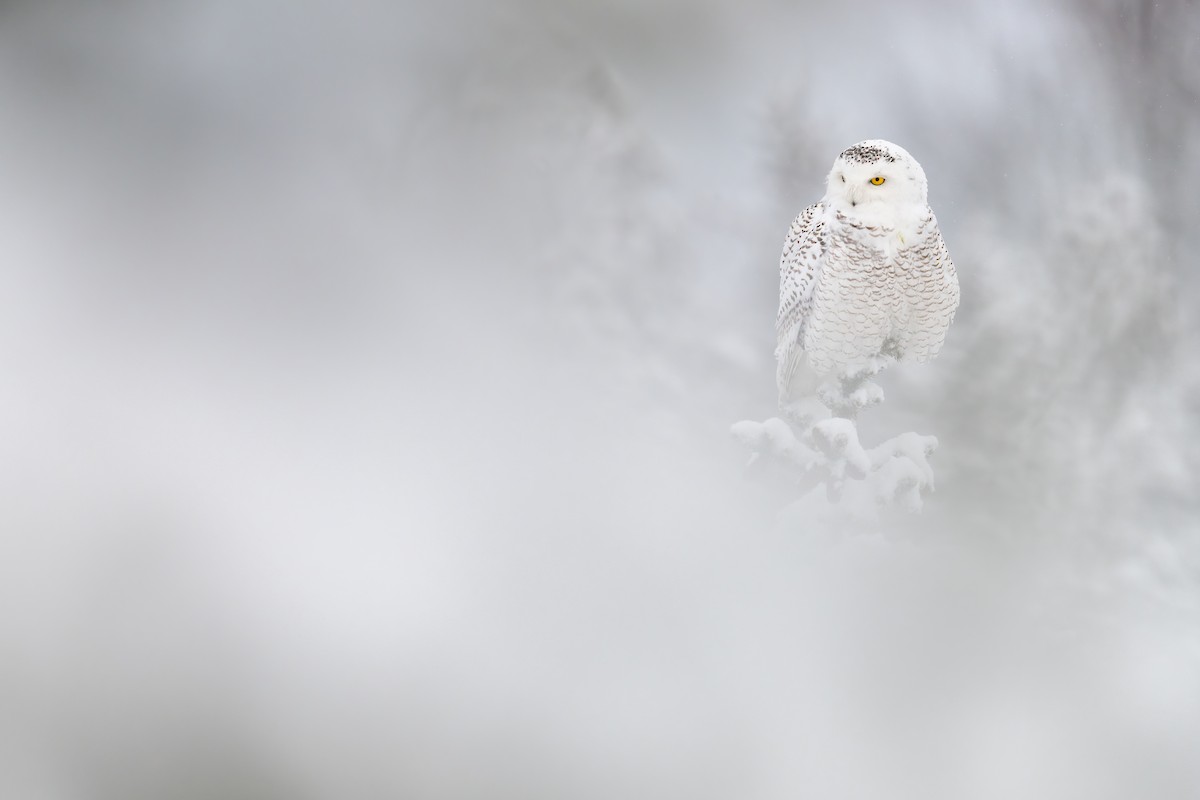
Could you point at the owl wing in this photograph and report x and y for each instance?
(930, 287)
(949, 274)
(799, 268)
(949, 295)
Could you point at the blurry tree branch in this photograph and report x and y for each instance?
(815, 449)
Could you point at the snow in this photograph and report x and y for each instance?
(895, 473)
(366, 406)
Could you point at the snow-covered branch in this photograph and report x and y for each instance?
(816, 449)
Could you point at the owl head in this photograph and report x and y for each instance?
(877, 181)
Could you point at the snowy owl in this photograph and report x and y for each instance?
(864, 272)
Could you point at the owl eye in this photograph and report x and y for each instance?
(877, 180)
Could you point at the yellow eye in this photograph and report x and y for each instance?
(877, 180)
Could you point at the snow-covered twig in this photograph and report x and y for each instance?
(815, 448)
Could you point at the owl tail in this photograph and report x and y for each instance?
(794, 378)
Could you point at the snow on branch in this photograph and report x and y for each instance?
(816, 449)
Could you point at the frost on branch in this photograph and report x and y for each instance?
(816, 449)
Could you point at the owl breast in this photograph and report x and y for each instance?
(880, 291)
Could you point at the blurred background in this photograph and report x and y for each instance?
(368, 369)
